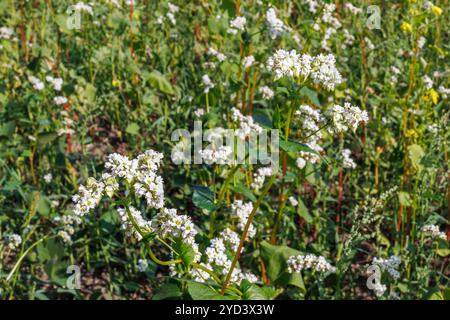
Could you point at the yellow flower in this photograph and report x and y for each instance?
(115, 83)
(433, 95)
(436, 10)
(406, 27)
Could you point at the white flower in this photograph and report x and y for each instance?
(199, 112)
(391, 265)
(353, 10)
(59, 100)
(347, 117)
(81, 6)
(301, 163)
(37, 84)
(242, 211)
(293, 201)
(128, 225)
(309, 261)
(173, 8)
(324, 71)
(142, 265)
(433, 231)
(56, 82)
(168, 223)
(428, 82)
(246, 124)
(237, 24)
(208, 84)
(248, 61)
(266, 92)
(347, 162)
(275, 25)
(14, 241)
(260, 176)
(220, 56)
(421, 42)
(48, 178)
(6, 33)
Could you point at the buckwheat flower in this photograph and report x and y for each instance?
(207, 83)
(306, 156)
(248, 61)
(242, 211)
(173, 8)
(81, 6)
(171, 18)
(237, 24)
(390, 265)
(88, 197)
(289, 63)
(312, 5)
(169, 223)
(144, 225)
(421, 42)
(37, 84)
(379, 289)
(301, 162)
(246, 124)
(220, 56)
(275, 25)
(266, 92)
(353, 10)
(324, 71)
(110, 184)
(347, 162)
(293, 201)
(150, 186)
(260, 176)
(142, 265)
(48, 178)
(231, 238)
(14, 241)
(347, 117)
(395, 70)
(216, 154)
(327, 15)
(296, 264)
(428, 82)
(55, 82)
(121, 166)
(65, 236)
(433, 232)
(199, 112)
(444, 91)
(6, 33)
(59, 100)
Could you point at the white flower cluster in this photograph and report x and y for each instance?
(220, 56)
(346, 117)
(171, 14)
(311, 120)
(68, 221)
(207, 83)
(353, 10)
(168, 223)
(14, 241)
(55, 82)
(433, 231)
(275, 25)
(266, 92)
(293, 201)
(309, 261)
(216, 154)
(48, 178)
(81, 6)
(237, 24)
(142, 265)
(260, 176)
(327, 15)
(347, 162)
(321, 68)
(6, 33)
(428, 82)
(390, 265)
(248, 61)
(246, 124)
(313, 5)
(127, 225)
(37, 84)
(217, 258)
(242, 211)
(60, 100)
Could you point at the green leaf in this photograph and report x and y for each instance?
(416, 154)
(168, 290)
(294, 146)
(132, 128)
(434, 294)
(200, 291)
(404, 198)
(7, 129)
(253, 292)
(185, 251)
(44, 138)
(303, 212)
(203, 198)
(159, 82)
(240, 188)
(275, 258)
(311, 94)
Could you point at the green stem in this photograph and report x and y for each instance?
(244, 233)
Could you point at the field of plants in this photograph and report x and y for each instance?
(116, 181)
